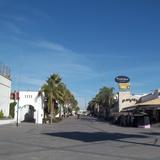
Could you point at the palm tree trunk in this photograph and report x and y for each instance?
(52, 112)
(60, 108)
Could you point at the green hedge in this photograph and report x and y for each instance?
(12, 109)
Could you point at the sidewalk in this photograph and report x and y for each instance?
(7, 121)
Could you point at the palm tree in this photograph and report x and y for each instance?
(93, 106)
(102, 102)
(52, 92)
(68, 101)
(62, 100)
(73, 104)
(105, 99)
(55, 91)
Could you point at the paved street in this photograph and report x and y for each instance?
(76, 139)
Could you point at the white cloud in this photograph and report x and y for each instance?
(13, 27)
(108, 56)
(60, 59)
(40, 58)
(78, 72)
(42, 15)
(12, 23)
(13, 18)
(30, 80)
(50, 46)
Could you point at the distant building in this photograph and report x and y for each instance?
(5, 89)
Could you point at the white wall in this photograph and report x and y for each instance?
(29, 98)
(5, 90)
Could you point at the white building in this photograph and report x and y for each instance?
(30, 107)
(5, 90)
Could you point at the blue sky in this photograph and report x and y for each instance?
(88, 42)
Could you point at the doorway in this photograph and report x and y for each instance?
(29, 116)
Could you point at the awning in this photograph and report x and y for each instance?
(152, 102)
(148, 104)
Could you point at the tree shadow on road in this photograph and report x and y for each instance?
(152, 133)
(93, 137)
(104, 136)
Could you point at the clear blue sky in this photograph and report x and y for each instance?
(88, 42)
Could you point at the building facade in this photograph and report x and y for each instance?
(126, 99)
(5, 89)
(29, 107)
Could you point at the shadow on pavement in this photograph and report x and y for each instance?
(151, 133)
(103, 136)
(94, 137)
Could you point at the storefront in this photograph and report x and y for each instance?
(150, 107)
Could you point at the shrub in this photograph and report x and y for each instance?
(1, 114)
(12, 109)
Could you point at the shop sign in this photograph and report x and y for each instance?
(122, 79)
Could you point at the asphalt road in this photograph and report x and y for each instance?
(77, 139)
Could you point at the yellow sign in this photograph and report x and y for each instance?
(124, 86)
